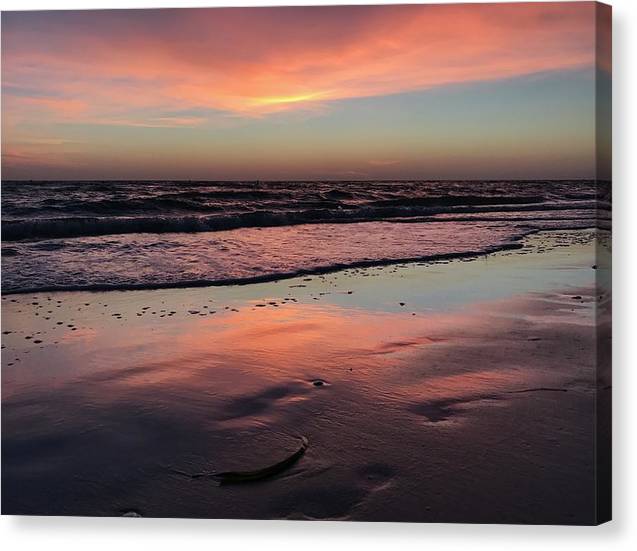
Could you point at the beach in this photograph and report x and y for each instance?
(448, 390)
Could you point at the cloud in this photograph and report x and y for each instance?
(383, 162)
(153, 122)
(101, 67)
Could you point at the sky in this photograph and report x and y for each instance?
(459, 91)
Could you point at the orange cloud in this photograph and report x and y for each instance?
(104, 67)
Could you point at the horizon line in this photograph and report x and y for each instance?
(295, 180)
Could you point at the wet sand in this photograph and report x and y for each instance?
(458, 391)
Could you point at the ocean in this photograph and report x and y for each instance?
(94, 235)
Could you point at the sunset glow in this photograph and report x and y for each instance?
(301, 92)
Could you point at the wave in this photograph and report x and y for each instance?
(263, 278)
(514, 242)
(197, 202)
(454, 200)
(80, 226)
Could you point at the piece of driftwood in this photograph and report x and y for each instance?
(238, 477)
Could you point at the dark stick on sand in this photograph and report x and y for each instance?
(238, 477)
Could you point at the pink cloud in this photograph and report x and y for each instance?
(119, 66)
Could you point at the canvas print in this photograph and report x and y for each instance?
(308, 263)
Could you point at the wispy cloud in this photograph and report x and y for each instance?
(383, 162)
(153, 122)
(250, 62)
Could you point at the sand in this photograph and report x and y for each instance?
(459, 391)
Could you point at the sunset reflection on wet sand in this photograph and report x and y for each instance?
(226, 378)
